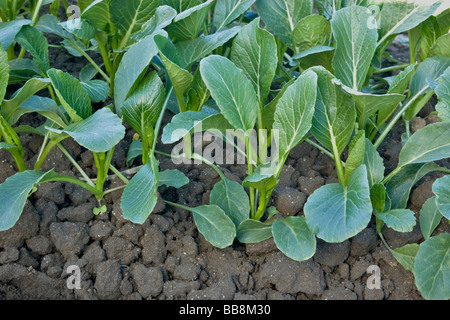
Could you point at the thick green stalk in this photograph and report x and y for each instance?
(75, 164)
(397, 117)
(11, 137)
(98, 194)
(46, 151)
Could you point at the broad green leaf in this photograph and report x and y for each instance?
(312, 31)
(401, 220)
(429, 218)
(198, 94)
(334, 115)
(374, 164)
(406, 255)
(335, 213)
(399, 187)
(8, 146)
(9, 30)
(33, 41)
(253, 231)
(255, 52)
(441, 188)
(195, 49)
(281, 16)
(173, 178)
(268, 112)
(14, 193)
(162, 18)
(97, 90)
(328, 7)
(187, 24)
(442, 91)
(400, 16)
(4, 74)
(432, 268)
(44, 106)
(71, 94)
(141, 110)
(83, 4)
(317, 56)
(21, 70)
(378, 197)
(356, 43)
(428, 71)
(181, 5)
(399, 85)
(134, 151)
(295, 111)
(9, 107)
(192, 121)
(212, 222)
(129, 16)
(440, 47)
(430, 143)
(368, 104)
(180, 78)
(133, 67)
(97, 14)
(140, 195)
(232, 91)
(50, 24)
(98, 133)
(262, 177)
(226, 11)
(356, 153)
(231, 197)
(293, 237)
(82, 29)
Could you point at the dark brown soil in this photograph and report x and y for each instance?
(167, 258)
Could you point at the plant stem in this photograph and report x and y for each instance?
(88, 58)
(119, 174)
(34, 18)
(178, 205)
(98, 194)
(250, 171)
(397, 117)
(402, 66)
(318, 146)
(75, 164)
(114, 189)
(160, 118)
(46, 151)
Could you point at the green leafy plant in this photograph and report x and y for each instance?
(303, 77)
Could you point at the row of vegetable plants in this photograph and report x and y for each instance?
(263, 76)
